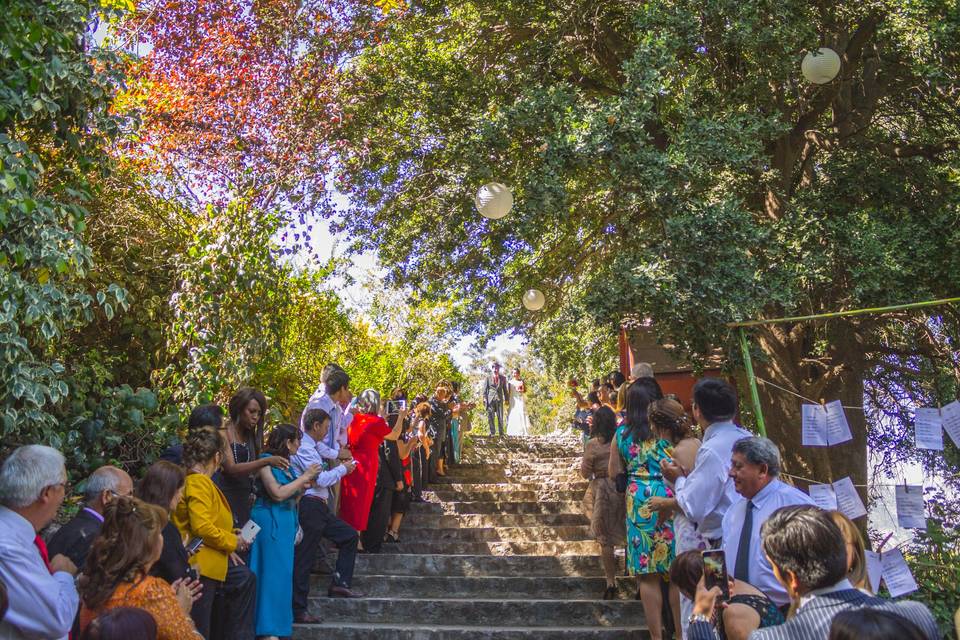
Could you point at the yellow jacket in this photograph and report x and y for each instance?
(204, 513)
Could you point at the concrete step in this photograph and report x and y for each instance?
(512, 588)
(479, 612)
(475, 565)
(418, 631)
(520, 495)
(576, 548)
(480, 520)
(570, 485)
(497, 534)
(553, 506)
(510, 478)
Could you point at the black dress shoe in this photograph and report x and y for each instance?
(341, 592)
(306, 618)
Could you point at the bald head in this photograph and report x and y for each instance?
(105, 484)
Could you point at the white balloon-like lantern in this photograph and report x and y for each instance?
(534, 300)
(494, 200)
(820, 66)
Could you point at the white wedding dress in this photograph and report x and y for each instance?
(518, 424)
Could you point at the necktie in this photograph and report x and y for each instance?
(42, 548)
(741, 570)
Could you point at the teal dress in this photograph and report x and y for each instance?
(271, 558)
(650, 548)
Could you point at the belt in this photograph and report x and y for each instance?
(309, 497)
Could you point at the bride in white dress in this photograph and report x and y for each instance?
(518, 424)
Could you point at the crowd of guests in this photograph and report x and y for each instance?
(219, 537)
(668, 487)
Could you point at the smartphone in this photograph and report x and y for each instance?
(194, 545)
(715, 572)
(249, 531)
(396, 406)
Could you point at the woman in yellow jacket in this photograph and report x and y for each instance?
(204, 513)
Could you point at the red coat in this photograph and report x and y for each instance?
(365, 435)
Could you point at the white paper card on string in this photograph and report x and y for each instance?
(823, 496)
(910, 510)
(928, 429)
(897, 574)
(874, 570)
(950, 415)
(813, 425)
(838, 429)
(848, 500)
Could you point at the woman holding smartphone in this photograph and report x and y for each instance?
(365, 434)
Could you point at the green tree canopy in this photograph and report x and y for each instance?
(668, 160)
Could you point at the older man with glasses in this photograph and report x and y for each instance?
(75, 538)
(42, 597)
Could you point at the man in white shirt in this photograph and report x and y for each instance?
(331, 396)
(318, 521)
(705, 492)
(755, 470)
(42, 597)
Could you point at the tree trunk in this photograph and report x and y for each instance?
(837, 376)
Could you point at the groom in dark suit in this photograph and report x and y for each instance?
(494, 397)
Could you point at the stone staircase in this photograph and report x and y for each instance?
(500, 550)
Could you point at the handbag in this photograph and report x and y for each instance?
(621, 481)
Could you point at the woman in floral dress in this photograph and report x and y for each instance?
(637, 452)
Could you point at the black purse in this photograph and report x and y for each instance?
(621, 481)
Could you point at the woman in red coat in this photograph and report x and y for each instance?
(366, 433)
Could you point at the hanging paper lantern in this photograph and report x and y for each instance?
(494, 200)
(820, 66)
(534, 300)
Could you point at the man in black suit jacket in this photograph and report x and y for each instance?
(809, 557)
(75, 538)
(494, 397)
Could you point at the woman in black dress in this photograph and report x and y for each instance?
(243, 437)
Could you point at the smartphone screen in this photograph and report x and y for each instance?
(715, 572)
(194, 545)
(396, 406)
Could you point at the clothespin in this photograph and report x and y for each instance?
(880, 546)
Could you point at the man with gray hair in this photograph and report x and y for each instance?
(75, 538)
(42, 597)
(755, 471)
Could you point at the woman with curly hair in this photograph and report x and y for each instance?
(204, 513)
(117, 573)
(670, 423)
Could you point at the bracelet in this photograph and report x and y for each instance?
(698, 617)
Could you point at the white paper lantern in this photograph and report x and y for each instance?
(534, 300)
(820, 66)
(494, 200)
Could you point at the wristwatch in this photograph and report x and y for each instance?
(698, 617)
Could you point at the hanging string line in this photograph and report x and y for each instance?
(794, 393)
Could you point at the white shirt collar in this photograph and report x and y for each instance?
(714, 427)
(765, 493)
(843, 585)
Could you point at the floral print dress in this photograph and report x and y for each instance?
(650, 548)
